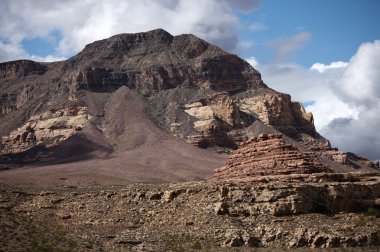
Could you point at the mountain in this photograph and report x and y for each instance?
(145, 107)
(88, 145)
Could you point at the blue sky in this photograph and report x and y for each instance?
(324, 53)
(42, 46)
(336, 27)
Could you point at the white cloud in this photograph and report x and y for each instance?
(257, 26)
(10, 51)
(286, 48)
(82, 22)
(48, 58)
(309, 86)
(360, 83)
(345, 97)
(359, 87)
(333, 65)
(252, 61)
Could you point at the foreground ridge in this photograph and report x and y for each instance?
(206, 215)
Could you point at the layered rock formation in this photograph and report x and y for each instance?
(278, 110)
(154, 61)
(269, 155)
(49, 128)
(215, 116)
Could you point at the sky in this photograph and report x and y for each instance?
(325, 53)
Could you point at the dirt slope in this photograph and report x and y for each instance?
(144, 153)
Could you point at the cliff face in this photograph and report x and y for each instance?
(10, 101)
(189, 89)
(154, 61)
(20, 68)
(278, 110)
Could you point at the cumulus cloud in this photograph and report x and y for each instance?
(287, 48)
(313, 88)
(10, 51)
(359, 87)
(333, 65)
(360, 83)
(344, 97)
(82, 22)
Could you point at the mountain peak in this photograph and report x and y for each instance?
(129, 41)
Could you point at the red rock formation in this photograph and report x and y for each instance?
(269, 155)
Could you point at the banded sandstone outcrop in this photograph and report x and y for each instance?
(269, 155)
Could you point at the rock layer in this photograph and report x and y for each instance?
(50, 128)
(278, 110)
(269, 155)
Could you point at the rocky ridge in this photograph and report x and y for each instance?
(204, 215)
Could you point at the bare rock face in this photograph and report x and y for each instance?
(269, 155)
(17, 69)
(156, 60)
(337, 156)
(20, 68)
(215, 116)
(278, 110)
(50, 128)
